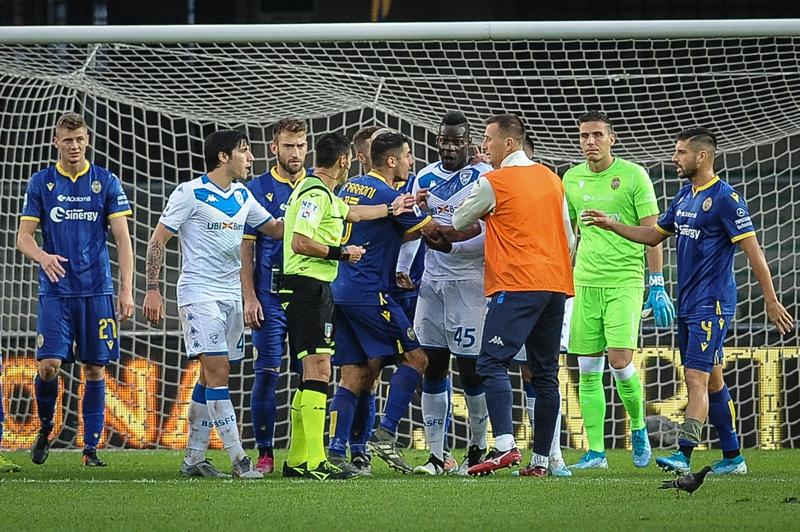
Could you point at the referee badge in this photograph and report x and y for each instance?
(96, 186)
(707, 204)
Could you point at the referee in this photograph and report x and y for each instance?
(314, 225)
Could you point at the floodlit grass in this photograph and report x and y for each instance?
(142, 490)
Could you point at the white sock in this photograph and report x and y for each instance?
(434, 412)
(504, 442)
(530, 406)
(221, 411)
(555, 447)
(478, 419)
(199, 433)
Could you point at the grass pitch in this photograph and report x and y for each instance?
(142, 490)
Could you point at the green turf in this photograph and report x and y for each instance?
(140, 490)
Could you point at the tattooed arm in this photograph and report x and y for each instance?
(153, 302)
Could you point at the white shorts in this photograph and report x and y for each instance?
(522, 356)
(450, 316)
(213, 328)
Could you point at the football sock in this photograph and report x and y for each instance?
(313, 404)
(363, 423)
(297, 446)
(46, 396)
(343, 408)
(499, 398)
(689, 436)
(530, 404)
(434, 414)
(478, 416)
(93, 406)
(401, 390)
(220, 409)
(263, 407)
(629, 388)
(592, 400)
(555, 446)
(200, 425)
(722, 415)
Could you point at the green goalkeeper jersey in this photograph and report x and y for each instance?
(624, 192)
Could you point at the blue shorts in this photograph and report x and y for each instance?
(88, 322)
(269, 341)
(409, 305)
(700, 341)
(364, 332)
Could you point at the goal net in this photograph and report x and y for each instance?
(150, 104)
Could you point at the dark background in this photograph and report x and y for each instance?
(41, 12)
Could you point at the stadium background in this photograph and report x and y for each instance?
(153, 140)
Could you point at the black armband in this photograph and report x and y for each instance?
(334, 253)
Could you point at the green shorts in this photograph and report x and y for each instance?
(605, 317)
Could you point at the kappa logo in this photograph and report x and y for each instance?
(496, 340)
(211, 198)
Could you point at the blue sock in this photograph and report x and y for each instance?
(721, 415)
(401, 390)
(94, 406)
(341, 412)
(363, 423)
(448, 421)
(530, 391)
(499, 398)
(263, 407)
(46, 396)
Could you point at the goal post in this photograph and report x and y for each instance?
(151, 94)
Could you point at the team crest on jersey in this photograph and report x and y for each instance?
(707, 204)
(269, 196)
(39, 340)
(411, 334)
(50, 186)
(96, 187)
(615, 183)
(465, 176)
(239, 197)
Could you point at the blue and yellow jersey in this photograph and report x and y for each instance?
(707, 222)
(73, 213)
(272, 191)
(366, 281)
(418, 266)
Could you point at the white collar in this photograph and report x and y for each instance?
(516, 158)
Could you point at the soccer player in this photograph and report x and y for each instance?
(527, 276)
(75, 202)
(708, 218)
(6, 465)
(451, 305)
(315, 222)
(609, 273)
(208, 214)
(260, 280)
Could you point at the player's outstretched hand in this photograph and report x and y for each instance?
(597, 219)
(422, 198)
(403, 203)
(780, 317)
(253, 313)
(352, 254)
(125, 305)
(153, 306)
(480, 157)
(51, 266)
(437, 241)
(403, 281)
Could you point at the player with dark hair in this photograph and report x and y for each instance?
(709, 219)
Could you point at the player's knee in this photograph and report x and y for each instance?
(619, 358)
(417, 359)
(468, 371)
(696, 382)
(438, 364)
(48, 369)
(317, 368)
(93, 373)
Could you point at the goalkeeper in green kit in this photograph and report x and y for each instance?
(609, 285)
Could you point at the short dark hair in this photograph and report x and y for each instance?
(225, 141)
(71, 121)
(455, 118)
(295, 126)
(596, 116)
(509, 125)
(329, 148)
(700, 138)
(386, 144)
(363, 135)
(527, 143)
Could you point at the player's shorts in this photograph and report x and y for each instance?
(522, 356)
(88, 323)
(700, 341)
(605, 317)
(409, 304)
(365, 332)
(450, 316)
(308, 305)
(269, 340)
(213, 328)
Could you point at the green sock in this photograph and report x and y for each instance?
(313, 408)
(630, 391)
(297, 447)
(593, 409)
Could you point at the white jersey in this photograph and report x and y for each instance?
(446, 192)
(210, 222)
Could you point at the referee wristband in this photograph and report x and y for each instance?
(334, 253)
(389, 209)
